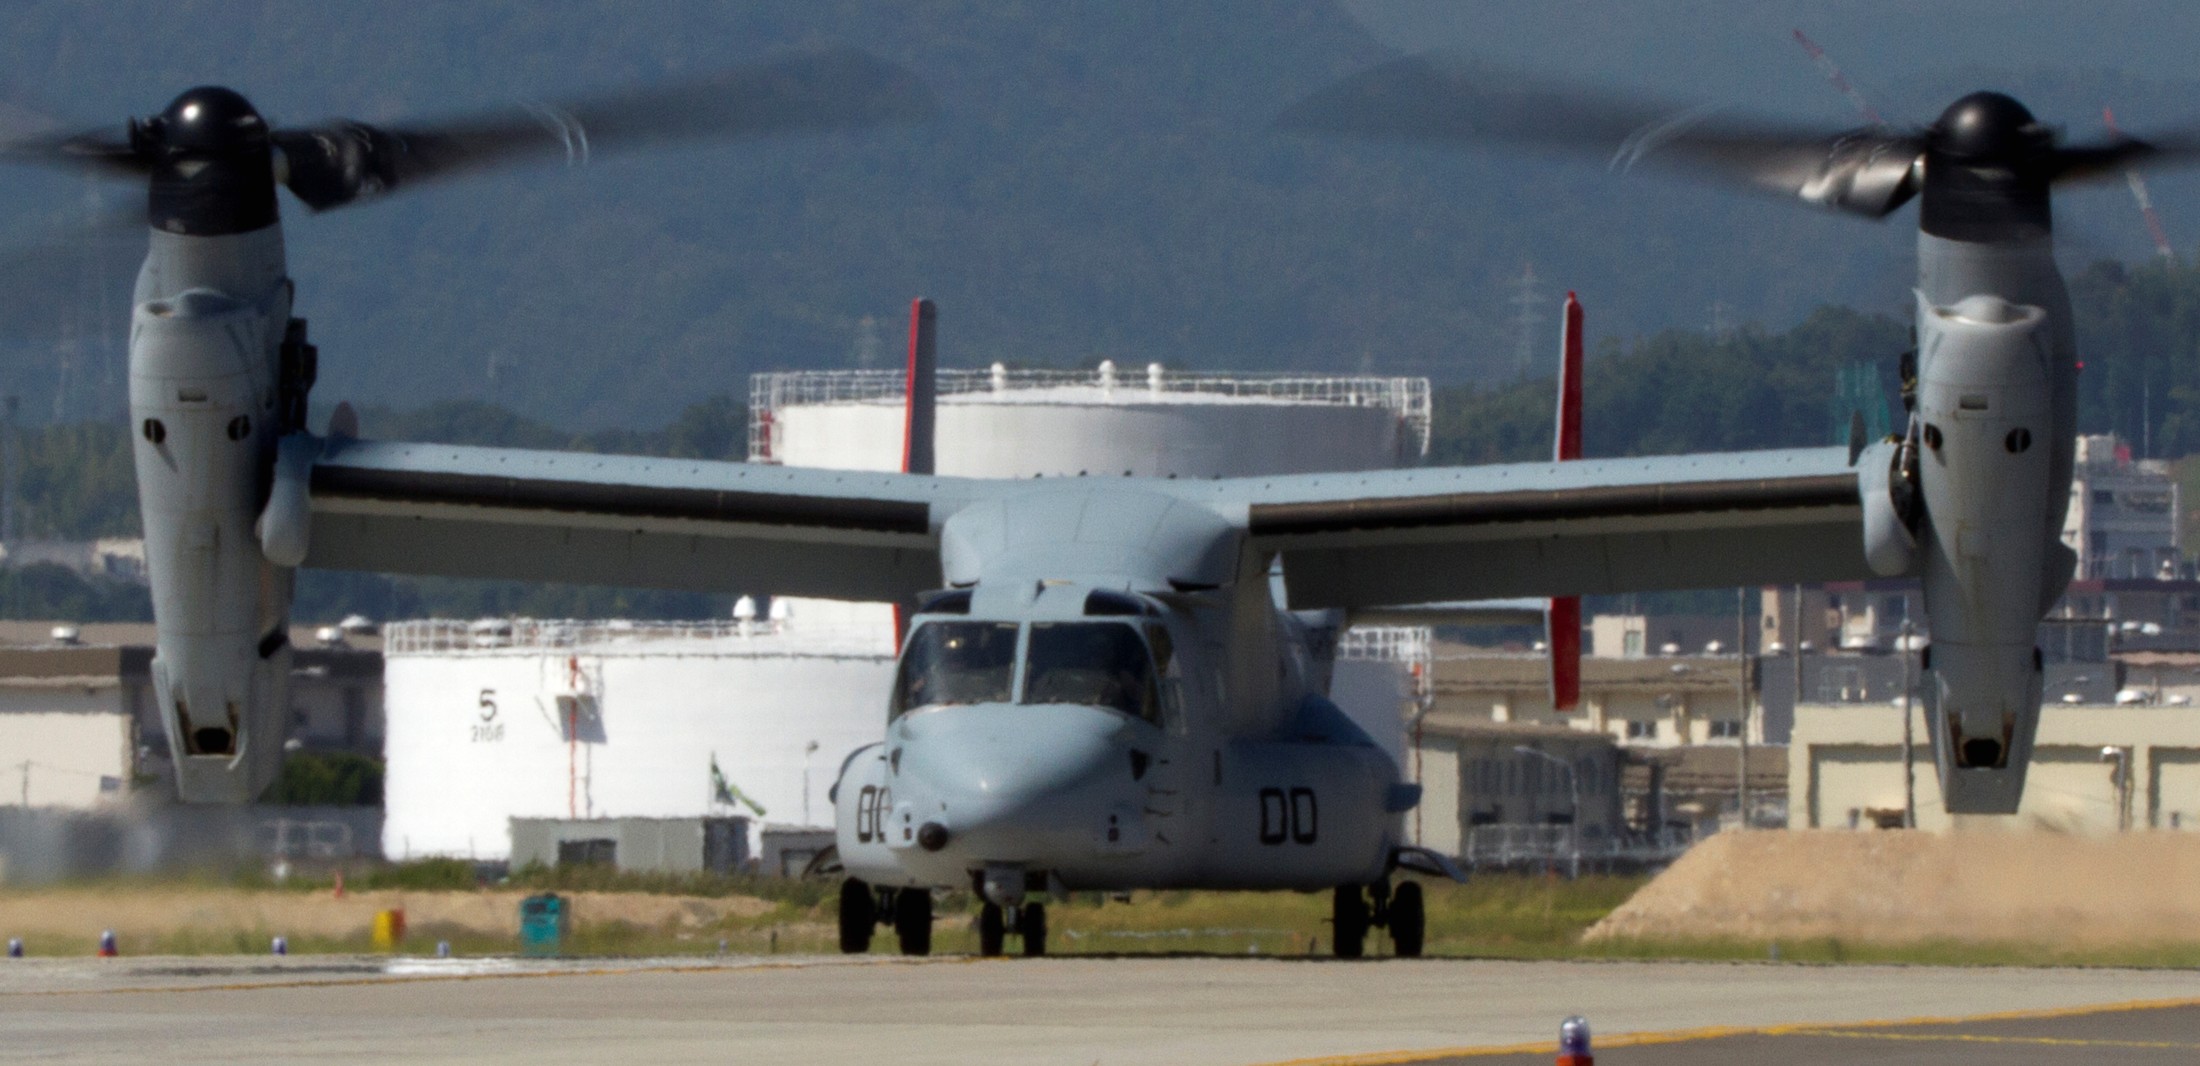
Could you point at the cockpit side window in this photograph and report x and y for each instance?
(948, 663)
(1096, 664)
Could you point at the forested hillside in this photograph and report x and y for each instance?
(1103, 181)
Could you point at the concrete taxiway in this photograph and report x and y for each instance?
(1062, 1010)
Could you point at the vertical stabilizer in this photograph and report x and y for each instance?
(922, 413)
(920, 416)
(1564, 617)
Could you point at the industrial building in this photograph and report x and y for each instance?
(2095, 769)
(85, 786)
(585, 722)
(2123, 514)
(77, 724)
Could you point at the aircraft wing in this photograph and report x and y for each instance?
(621, 520)
(1365, 540)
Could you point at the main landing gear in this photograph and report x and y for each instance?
(1355, 908)
(1029, 921)
(863, 908)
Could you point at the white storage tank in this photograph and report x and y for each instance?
(623, 719)
(1056, 423)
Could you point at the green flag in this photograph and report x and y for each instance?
(723, 791)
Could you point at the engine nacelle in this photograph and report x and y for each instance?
(1992, 527)
(206, 406)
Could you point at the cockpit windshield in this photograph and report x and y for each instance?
(1097, 664)
(956, 662)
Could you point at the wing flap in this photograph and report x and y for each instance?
(1579, 527)
(621, 520)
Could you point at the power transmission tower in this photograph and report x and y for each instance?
(867, 343)
(1527, 319)
(9, 477)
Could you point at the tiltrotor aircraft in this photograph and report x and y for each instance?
(1970, 498)
(1100, 688)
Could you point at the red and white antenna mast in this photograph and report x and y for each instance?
(2139, 193)
(1840, 81)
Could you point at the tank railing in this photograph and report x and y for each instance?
(769, 392)
(1411, 645)
(429, 635)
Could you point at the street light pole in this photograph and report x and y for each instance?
(1909, 732)
(2120, 779)
(1741, 704)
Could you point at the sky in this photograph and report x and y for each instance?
(1744, 50)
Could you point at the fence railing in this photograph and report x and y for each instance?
(1411, 645)
(1501, 847)
(433, 635)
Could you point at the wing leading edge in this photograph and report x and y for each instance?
(1359, 541)
(622, 520)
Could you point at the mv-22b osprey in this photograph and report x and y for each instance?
(1099, 688)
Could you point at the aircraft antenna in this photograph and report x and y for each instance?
(2146, 202)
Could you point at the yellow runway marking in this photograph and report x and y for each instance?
(1719, 1032)
(1971, 1038)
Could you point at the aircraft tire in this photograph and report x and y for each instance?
(1348, 919)
(1031, 924)
(992, 932)
(913, 920)
(1408, 920)
(858, 916)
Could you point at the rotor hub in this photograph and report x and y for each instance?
(1989, 126)
(208, 120)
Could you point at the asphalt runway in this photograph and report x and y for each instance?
(1084, 1010)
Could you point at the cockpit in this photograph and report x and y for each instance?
(1092, 664)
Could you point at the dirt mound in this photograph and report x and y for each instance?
(1899, 887)
(163, 912)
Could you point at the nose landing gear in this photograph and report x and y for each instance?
(863, 908)
(1355, 908)
(1029, 921)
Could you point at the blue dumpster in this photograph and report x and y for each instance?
(542, 925)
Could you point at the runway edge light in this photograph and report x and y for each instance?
(1573, 1042)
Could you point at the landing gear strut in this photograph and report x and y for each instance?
(1355, 908)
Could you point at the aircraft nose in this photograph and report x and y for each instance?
(1002, 781)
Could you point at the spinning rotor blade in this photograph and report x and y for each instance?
(341, 161)
(1867, 171)
(96, 150)
(1863, 171)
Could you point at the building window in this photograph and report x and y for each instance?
(1639, 729)
(2104, 498)
(1726, 728)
